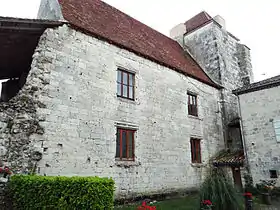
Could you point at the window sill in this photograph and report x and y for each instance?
(195, 117)
(126, 100)
(198, 165)
(127, 163)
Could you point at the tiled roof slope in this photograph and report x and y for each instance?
(198, 20)
(264, 84)
(108, 23)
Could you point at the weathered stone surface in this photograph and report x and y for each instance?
(227, 62)
(258, 110)
(19, 119)
(75, 111)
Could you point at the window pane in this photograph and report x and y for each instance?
(130, 144)
(131, 93)
(125, 88)
(119, 90)
(125, 75)
(194, 151)
(131, 79)
(118, 144)
(124, 144)
(119, 77)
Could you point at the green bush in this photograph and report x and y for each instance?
(63, 193)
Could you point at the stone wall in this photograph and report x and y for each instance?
(69, 111)
(227, 62)
(21, 134)
(258, 110)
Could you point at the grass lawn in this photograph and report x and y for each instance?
(189, 203)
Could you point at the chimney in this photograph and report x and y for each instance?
(178, 31)
(221, 21)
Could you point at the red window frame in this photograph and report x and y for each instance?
(129, 86)
(195, 150)
(120, 140)
(192, 104)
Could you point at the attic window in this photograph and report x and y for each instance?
(192, 104)
(273, 174)
(125, 84)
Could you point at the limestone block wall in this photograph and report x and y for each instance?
(82, 113)
(64, 120)
(227, 61)
(21, 134)
(258, 110)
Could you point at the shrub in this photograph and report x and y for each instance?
(220, 191)
(44, 192)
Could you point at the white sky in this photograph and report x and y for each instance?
(256, 23)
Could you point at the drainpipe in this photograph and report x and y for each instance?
(242, 136)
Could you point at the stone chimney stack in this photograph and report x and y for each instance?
(221, 21)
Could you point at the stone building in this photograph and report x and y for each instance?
(92, 91)
(260, 114)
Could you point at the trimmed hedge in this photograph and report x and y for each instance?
(65, 193)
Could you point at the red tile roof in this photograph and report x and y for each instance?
(197, 21)
(106, 22)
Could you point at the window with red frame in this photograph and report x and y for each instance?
(125, 144)
(125, 84)
(195, 150)
(192, 104)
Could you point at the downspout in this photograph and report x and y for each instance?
(242, 136)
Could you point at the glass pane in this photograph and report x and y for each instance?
(118, 144)
(125, 91)
(119, 90)
(125, 75)
(194, 151)
(124, 144)
(131, 92)
(130, 144)
(190, 100)
(131, 79)
(119, 77)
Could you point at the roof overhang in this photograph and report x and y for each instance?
(229, 159)
(265, 84)
(18, 40)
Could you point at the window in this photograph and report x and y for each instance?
(195, 149)
(125, 144)
(276, 124)
(273, 174)
(192, 104)
(125, 84)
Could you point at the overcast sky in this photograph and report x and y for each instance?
(256, 23)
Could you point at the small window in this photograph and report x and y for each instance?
(192, 104)
(273, 174)
(125, 84)
(195, 150)
(125, 144)
(276, 124)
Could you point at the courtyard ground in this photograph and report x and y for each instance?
(191, 203)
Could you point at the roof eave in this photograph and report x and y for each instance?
(241, 91)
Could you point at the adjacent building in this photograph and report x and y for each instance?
(260, 114)
(94, 92)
